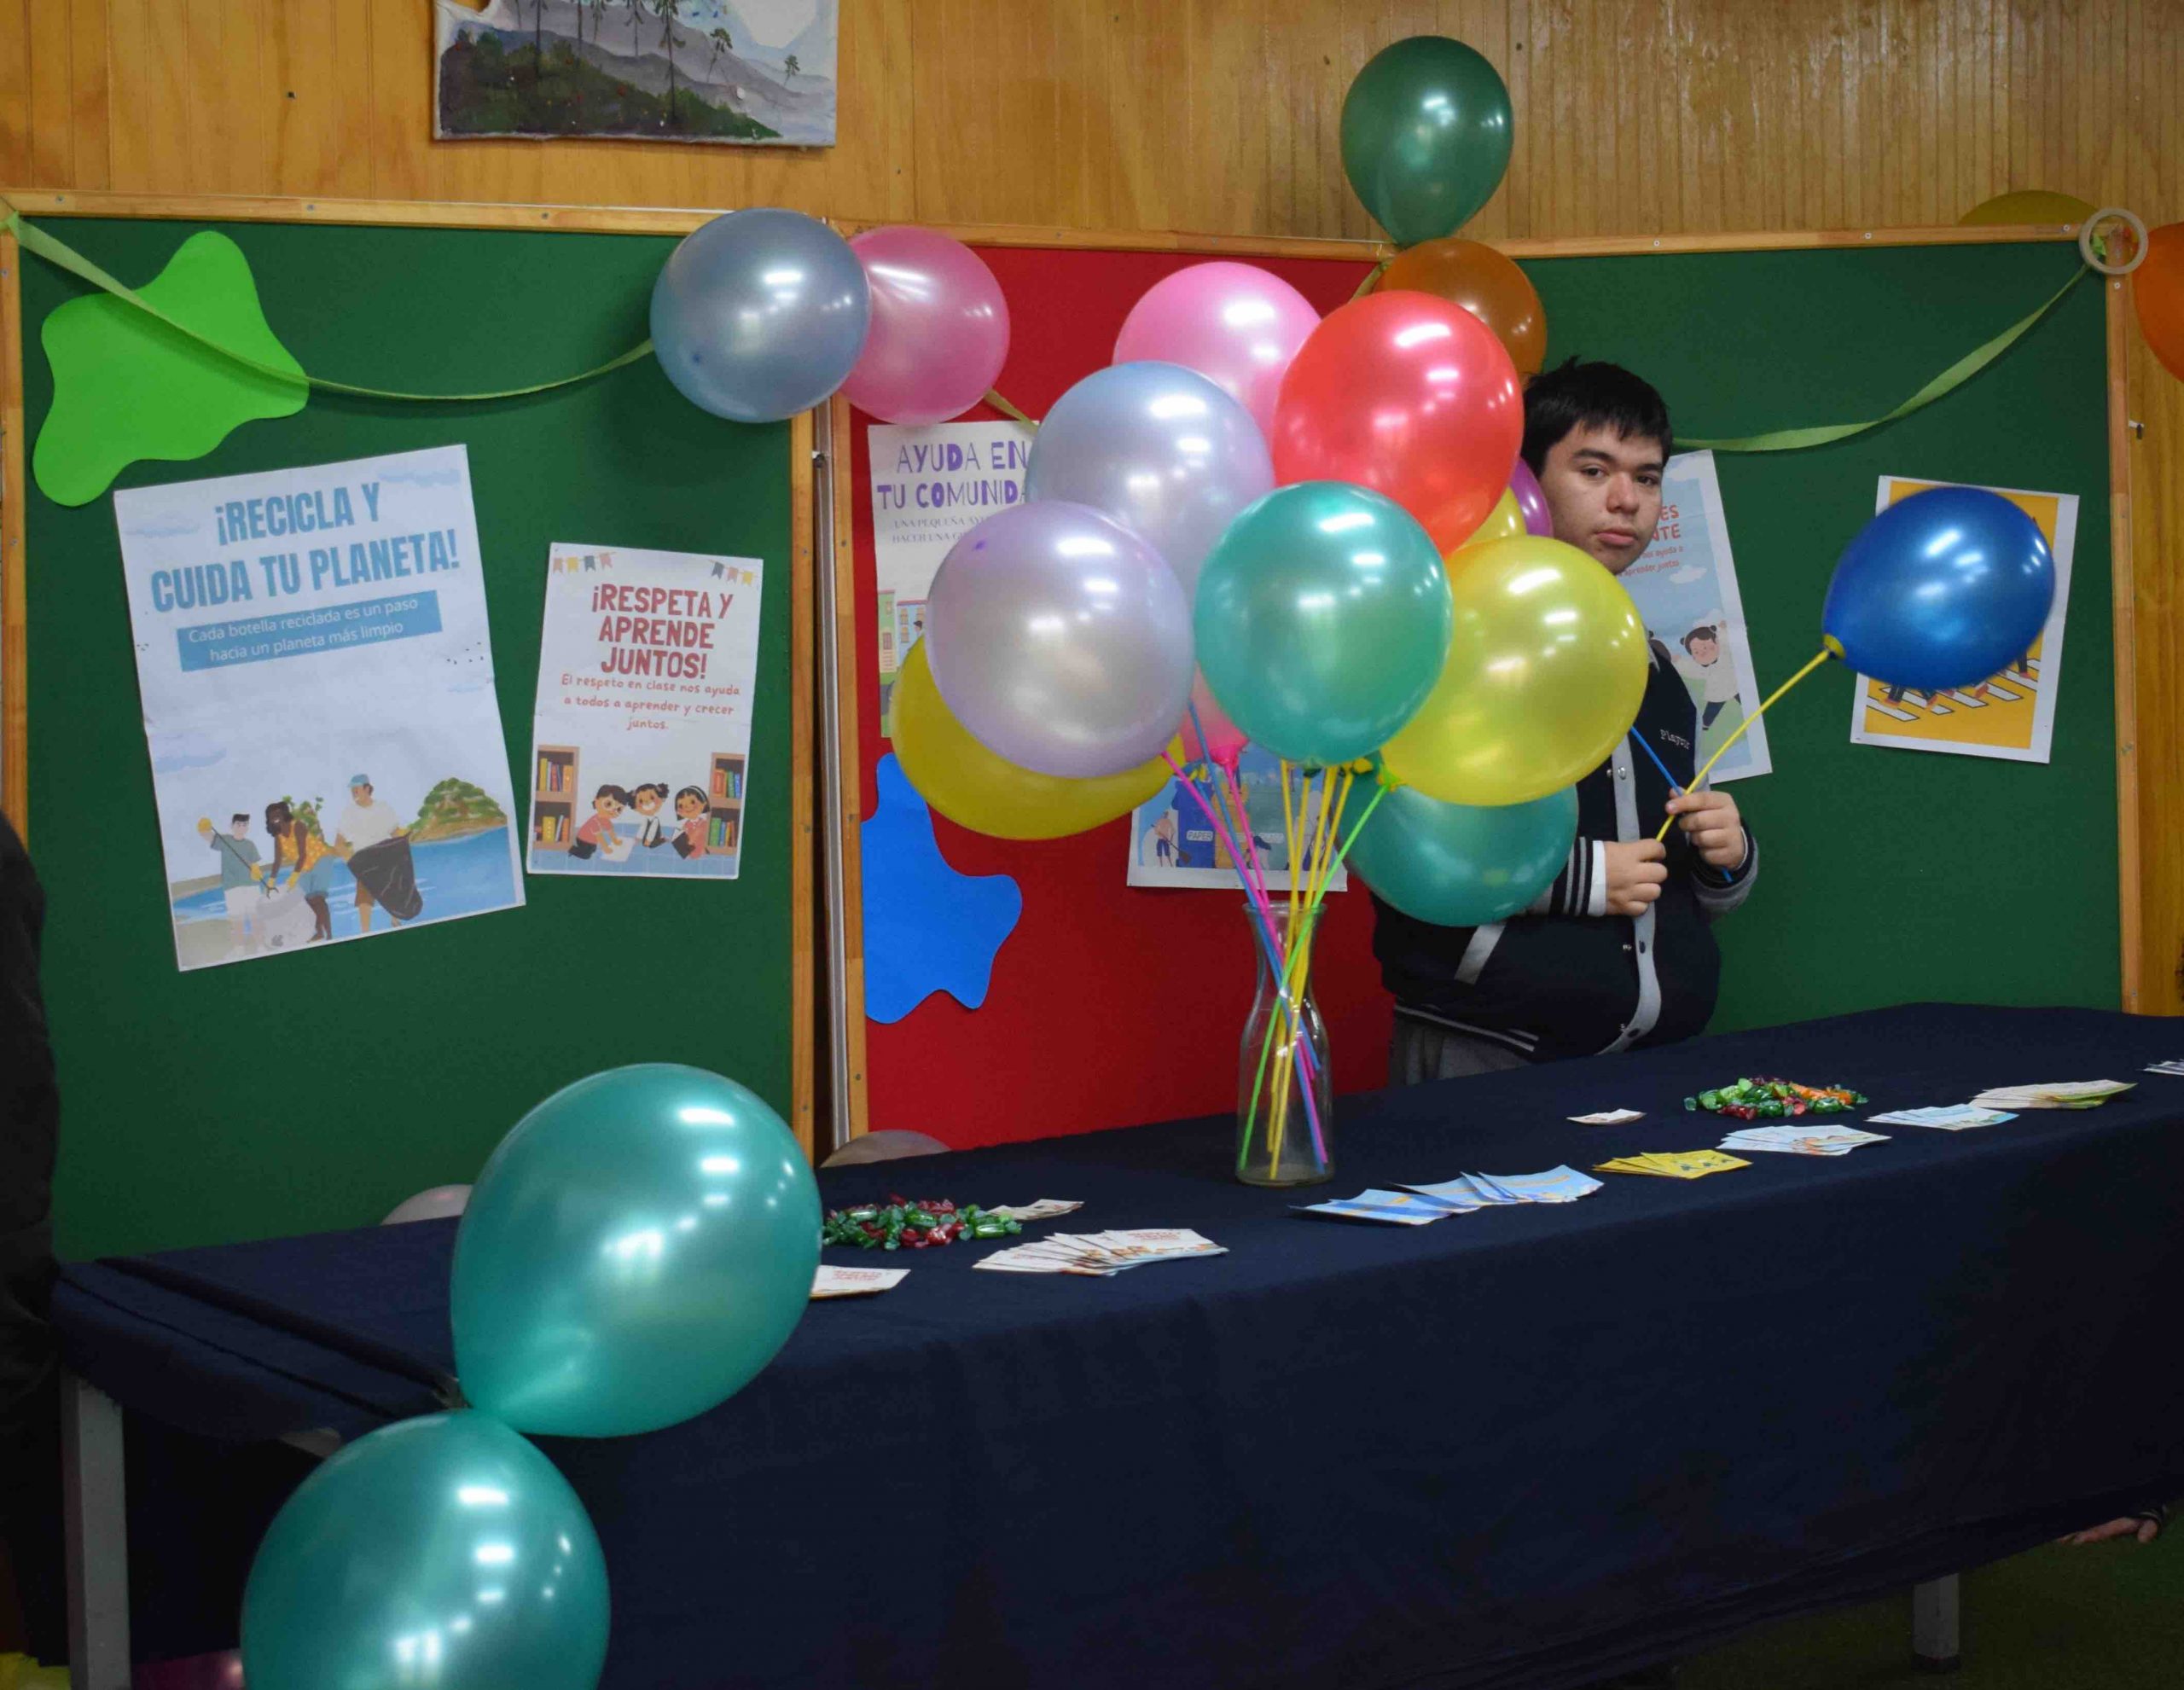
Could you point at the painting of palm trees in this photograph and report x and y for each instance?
(722, 71)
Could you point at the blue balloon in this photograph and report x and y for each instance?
(637, 1249)
(443, 1551)
(1458, 865)
(760, 314)
(1941, 590)
(1157, 448)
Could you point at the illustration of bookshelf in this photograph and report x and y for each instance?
(554, 797)
(725, 789)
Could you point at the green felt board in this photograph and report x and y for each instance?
(1888, 876)
(316, 1090)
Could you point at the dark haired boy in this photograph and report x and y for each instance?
(1618, 952)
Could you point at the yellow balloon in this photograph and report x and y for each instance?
(1506, 521)
(969, 785)
(1545, 672)
(2029, 205)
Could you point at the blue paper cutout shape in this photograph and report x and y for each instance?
(927, 928)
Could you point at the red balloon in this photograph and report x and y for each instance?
(1411, 396)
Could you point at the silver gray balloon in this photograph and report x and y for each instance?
(760, 314)
(1159, 448)
(1060, 640)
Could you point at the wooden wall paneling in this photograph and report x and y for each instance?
(1215, 115)
(90, 112)
(52, 95)
(16, 90)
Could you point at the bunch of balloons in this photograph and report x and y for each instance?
(764, 313)
(1256, 524)
(638, 1248)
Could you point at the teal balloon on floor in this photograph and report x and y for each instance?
(1459, 865)
(443, 1551)
(637, 1249)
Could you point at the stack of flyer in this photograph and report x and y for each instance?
(1102, 1254)
(2058, 1095)
(1416, 1204)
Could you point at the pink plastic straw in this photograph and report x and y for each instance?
(1276, 954)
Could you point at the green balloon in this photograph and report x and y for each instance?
(1322, 620)
(1458, 865)
(640, 1246)
(1426, 135)
(443, 1551)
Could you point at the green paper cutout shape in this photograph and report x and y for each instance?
(126, 385)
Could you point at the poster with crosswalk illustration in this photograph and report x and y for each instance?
(2011, 714)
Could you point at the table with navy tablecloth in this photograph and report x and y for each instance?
(1519, 1447)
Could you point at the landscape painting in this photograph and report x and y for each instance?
(748, 73)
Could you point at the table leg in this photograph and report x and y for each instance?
(1935, 1640)
(97, 1524)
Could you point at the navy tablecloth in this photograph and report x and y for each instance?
(1517, 1447)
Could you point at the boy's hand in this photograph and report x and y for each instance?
(1636, 874)
(1711, 821)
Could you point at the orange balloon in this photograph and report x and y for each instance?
(1484, 283)
(2157, 291)
(1411, 397)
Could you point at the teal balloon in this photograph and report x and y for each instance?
(443, 1551)
(1426, 135)
(1322, 620)
(1458, 865)
(637, 1249)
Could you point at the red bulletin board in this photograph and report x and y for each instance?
(1110, 1005)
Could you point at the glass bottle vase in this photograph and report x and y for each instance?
(1284, 1090)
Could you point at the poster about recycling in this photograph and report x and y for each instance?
(317, 684)
(641, 744)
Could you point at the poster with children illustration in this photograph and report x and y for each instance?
(1685, 585)
(2009, 715)
(317, 683)
(1172, 844)
(641, 745)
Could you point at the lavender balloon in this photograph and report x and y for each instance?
(759, 314)
(1159, 448)
(1539, 521)
(1060, 640)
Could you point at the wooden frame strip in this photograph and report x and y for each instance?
(14, 623)
(802, 791)
(620, 220)
(2130, 914)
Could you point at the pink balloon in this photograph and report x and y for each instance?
(1237, 325)
(1531, 501)
(1224, 740)
(939, 327)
